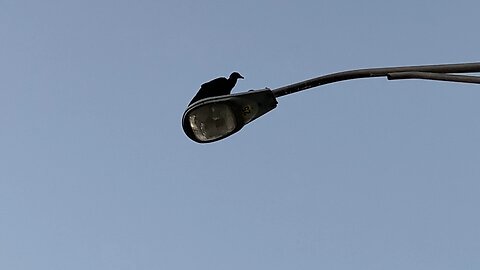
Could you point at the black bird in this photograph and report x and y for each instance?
(217, 87)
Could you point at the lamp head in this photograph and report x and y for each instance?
(212, 119)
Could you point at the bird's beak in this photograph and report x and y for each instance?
(241, 77)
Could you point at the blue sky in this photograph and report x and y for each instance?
(96, 173)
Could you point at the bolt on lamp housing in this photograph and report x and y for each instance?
(212, 119)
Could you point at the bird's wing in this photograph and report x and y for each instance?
(214, 82)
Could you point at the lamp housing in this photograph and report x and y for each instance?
(214, 118)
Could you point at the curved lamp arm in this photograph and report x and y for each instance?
(429, 72)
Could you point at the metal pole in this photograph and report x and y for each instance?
(433, 76)
(383, 72)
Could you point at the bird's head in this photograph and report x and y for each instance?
(235, 76)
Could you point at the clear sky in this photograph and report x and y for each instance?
(96, 173)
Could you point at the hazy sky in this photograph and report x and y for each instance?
(96, 173)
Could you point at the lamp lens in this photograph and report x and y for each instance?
(212, 121)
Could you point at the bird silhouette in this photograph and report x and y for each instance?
(217, 87)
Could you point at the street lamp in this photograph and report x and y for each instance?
(214, 118)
